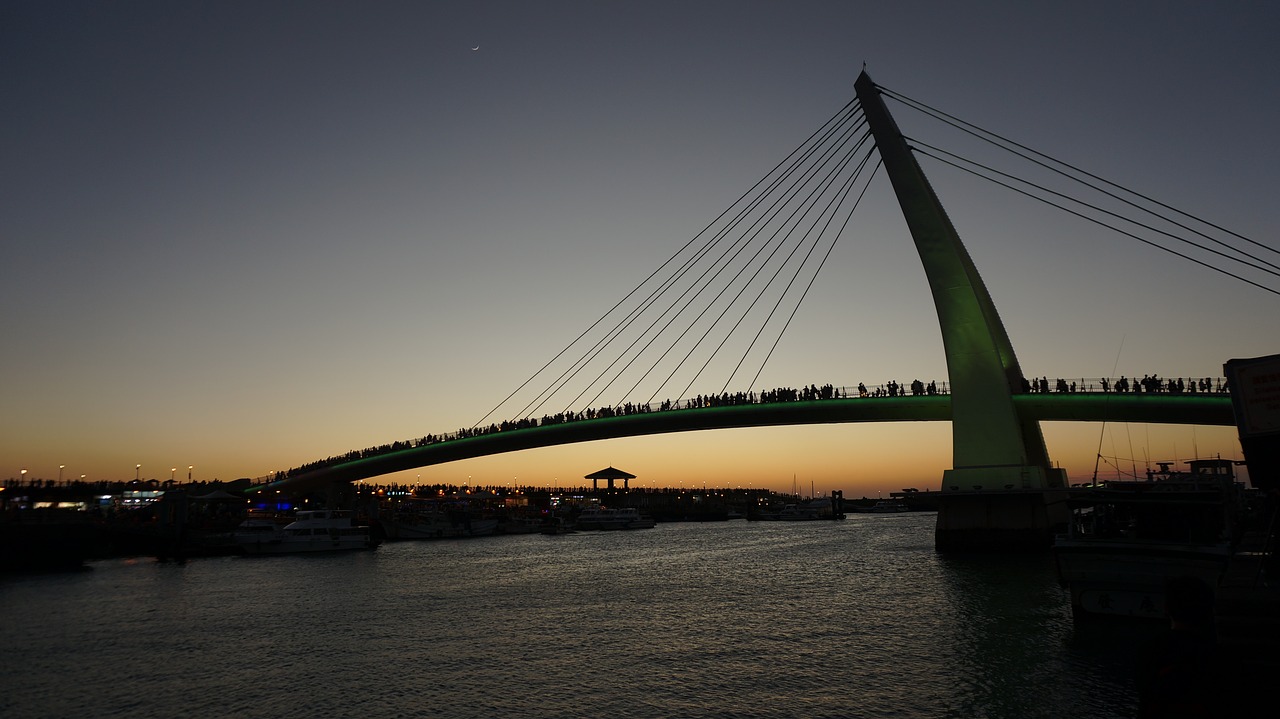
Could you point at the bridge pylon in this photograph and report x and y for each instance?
(1002, 492)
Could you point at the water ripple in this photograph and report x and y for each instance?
(847, 619)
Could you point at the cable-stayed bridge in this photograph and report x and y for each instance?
(722, 304)
(1096, 406)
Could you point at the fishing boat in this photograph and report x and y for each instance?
(1126, 539)
(556, 525)
(889, 506)
(315, 530)
(435, 518)
(531, 524)
(594, 518)
(257, 528)
(437, 525)
(798, 513)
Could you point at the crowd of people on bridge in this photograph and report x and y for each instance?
(893, 389)
(1148, 384)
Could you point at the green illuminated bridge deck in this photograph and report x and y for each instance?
(1203, 409)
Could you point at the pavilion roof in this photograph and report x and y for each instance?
(610, 473)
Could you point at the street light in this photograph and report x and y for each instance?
(23, 478)
(172, 471)
(60, 467)
(189, 468)
(137, 472)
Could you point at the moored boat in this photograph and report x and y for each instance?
(520, 525)
(259, 527)
(436, 525)
(602, 518)
(556, 525)
(451, 517)
(889, 506)
(798, 513)
(1126, 539)
(314, 530)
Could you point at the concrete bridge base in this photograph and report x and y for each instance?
(1000, 520)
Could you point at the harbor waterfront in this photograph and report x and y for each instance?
(856, 618)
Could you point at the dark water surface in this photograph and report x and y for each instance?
(858, 618)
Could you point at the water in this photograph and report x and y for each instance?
(858, 618)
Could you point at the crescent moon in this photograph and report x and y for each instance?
(477, 47)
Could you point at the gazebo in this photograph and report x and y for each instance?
(609, 474)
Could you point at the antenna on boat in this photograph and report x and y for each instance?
(1133, 459)
(1103, 429)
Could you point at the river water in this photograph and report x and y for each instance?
(858, 618)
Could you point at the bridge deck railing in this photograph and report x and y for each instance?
(1123, 384)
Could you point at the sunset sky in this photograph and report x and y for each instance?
(244, 236)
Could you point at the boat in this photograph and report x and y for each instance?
(603, 518)
(791, 512)
(256, 531)
(767, 514)
(797, 513)
(258, 527)
(313, 530)
(435, 518)
(1126, 539)
(556, 525)
(889, 506)
(816, 508)
(521, 525)
(437, 525)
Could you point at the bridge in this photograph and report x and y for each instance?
(1003, 489)
(1194, 409)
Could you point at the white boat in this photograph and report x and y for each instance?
(1126, 539)
(603, 518)
(889, 506)
(436, 525)
(816, 508)
(256, 529)
(557, 525)
(521, 525)
(798, 513)
(314, 530)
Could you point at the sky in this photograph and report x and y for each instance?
(244, 236)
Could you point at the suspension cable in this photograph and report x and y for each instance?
(1103, 224)
(979, 132)
(808, 287)
(722, 263)
(834, 201)
(690, 263)
(842, 111)
(834, 207)
(1102, 210)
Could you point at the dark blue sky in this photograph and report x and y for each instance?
(247, 235)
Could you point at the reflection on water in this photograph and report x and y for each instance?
(1007, 612)
(858, 618)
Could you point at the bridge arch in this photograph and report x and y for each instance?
(1085, 407)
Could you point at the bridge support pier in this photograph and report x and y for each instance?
(339, 495)
(1015, 514)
